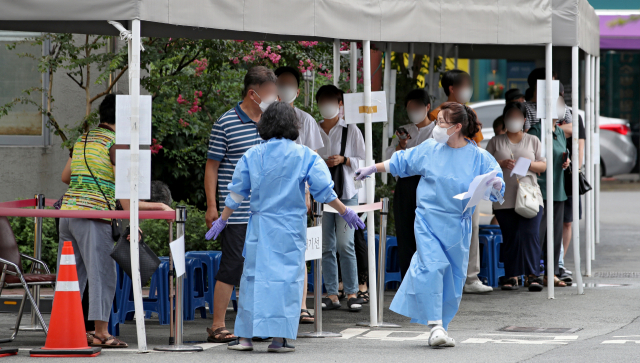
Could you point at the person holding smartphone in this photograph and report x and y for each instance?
(418, 105)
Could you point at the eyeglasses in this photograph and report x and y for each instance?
(441, 123)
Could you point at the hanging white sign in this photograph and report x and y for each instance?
(123, 120)
(314, 244)
(354, 108)
(123, 172)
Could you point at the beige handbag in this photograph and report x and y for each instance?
(527, 204)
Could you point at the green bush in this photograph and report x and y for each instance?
(24, 231)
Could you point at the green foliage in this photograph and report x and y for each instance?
(24, 231)
(156, 233)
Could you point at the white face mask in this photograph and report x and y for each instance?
(417, 116)
(264, 104)
(329, 110)
(514, 125)
(465, 95)
(287, 94)
(440, 134)
(561, 111)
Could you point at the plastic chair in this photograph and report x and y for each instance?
(158, 304)
(211, 264)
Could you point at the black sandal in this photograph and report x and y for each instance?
(306, 317)
(364, 295)
(328, 304)
(223, 335)
(510, 281)
(341, 295)
(534, 284)
(355, 304)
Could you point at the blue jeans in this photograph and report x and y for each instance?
(336, 240)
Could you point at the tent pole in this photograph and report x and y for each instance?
(411, 54)
(371, 182)
(432, 67)
(392, 102)
(549, 266)
(353, 66)
(593, 162)
(134, 91)
(575, 160)
(587, 154)
(386, 86)
(336, 62)
(596, 129)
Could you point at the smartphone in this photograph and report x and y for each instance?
(402, 133)
(564, 157)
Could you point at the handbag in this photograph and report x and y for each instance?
(583, 185)
(115, 223)
(337, 172)
(527, 204)
(149, 261)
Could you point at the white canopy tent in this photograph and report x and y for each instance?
(478, 27)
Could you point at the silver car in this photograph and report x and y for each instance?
(617, 152)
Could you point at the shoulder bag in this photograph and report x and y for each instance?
(149, 261)
(527, 204)
(337, 172)
(115, 223)
(583, 185)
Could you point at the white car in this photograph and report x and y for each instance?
(617, 152)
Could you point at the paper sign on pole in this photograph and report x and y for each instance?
(354, 108)
(123, 165)
(541, 106)
(314, 244)
(123, 120)
(177, 252)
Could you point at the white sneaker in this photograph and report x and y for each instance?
(476, 288)
(440, 338)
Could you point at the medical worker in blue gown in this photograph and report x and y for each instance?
(274, 173)
(432, 288)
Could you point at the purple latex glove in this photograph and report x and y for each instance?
(363, 173)
(352, 219)
(496, 183)
(217, 227)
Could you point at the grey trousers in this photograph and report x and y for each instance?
(474, 249)
(92, 244)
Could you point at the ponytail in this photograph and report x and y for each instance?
(473, 125)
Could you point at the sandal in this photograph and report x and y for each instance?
(341, 295)
(513, 282)
(533, 283)
(115, 342)
(328, 304)
(90, 338)
(556, 282)
(223, 335)
(355, 304)
(364, 295)
(306, 317)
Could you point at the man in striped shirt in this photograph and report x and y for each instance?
(232, 135)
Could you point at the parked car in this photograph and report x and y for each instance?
(617, 152)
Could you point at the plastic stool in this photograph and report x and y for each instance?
(211, 264)
(114, 325)
(392, 275)
(124, 297)
(311, 281)
(159, 289)
(497, 266)
(486, 260)
(194, 289)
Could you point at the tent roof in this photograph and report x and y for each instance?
(575, 23)
(483, 21)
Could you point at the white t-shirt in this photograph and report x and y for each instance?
(309, 131)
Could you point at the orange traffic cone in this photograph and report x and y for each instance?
(66, 336)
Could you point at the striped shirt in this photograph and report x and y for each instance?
(83, 192)
(231, 136)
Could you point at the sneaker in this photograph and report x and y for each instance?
(284, 348)
(568, 272)
(440, 338)
(477, 288)
(237, 345)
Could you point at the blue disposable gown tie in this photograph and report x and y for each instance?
(432, 288)
(274, 173)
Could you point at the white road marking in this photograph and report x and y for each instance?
(557, 337)
(619, 341)
(385, 335)
(352, 332)
(513, 341)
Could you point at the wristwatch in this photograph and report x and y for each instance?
(344, 160)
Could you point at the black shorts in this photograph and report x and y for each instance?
(568, 209)
(232, 262)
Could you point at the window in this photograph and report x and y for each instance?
(24, 125)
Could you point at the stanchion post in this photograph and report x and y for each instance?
(181, 219)
(37, 253)
(382, 261)
(317, 288)
(172, 331)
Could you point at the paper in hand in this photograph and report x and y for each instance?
(522, 166)
(177, 252)
(477, 190)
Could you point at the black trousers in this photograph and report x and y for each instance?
(558, 219)
(404, 212)
(520, 250)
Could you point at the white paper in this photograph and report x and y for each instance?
(314, 244)
(595, 142)
(522, 166)
(177, 252)
(353, 102)
(123, 166)
(477, 189)
(123, 120)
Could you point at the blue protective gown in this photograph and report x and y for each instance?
(274, 173)
(432, 288)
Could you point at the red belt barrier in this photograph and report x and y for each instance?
(19, 203)
(88, 214)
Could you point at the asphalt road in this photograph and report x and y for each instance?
(606, 319)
